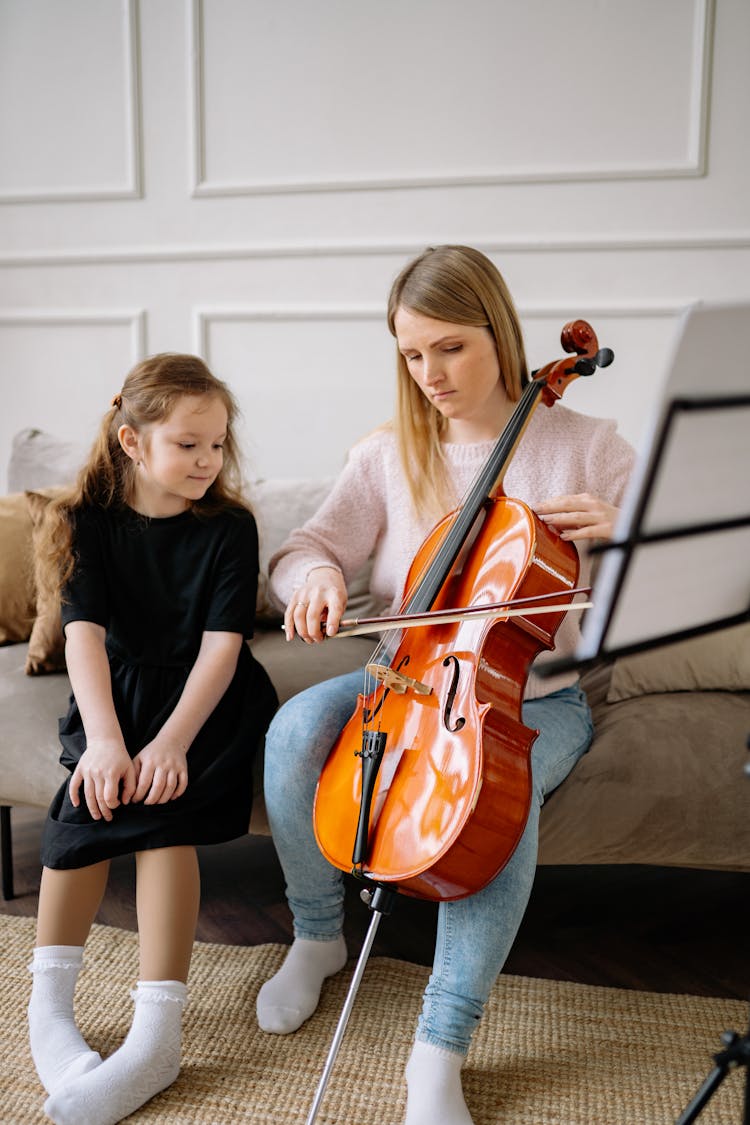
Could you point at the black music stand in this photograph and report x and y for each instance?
(669, 574)
(736, 1053)
(678, 564)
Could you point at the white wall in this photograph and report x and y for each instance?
(243, 179)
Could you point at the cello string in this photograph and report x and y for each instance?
(432, 574)
(436, 568)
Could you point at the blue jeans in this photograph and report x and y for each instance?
(474, 934)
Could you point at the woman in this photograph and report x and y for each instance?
(461, 369)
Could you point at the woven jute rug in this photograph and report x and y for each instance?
(546, 1052)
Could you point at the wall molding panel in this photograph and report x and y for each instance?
(131, 185)
(133, 319)
(277, 355)
(205, 317)
(61, 367)
(244, 179)
(691, 163)
(565, 244)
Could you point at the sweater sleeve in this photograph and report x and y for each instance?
(609, 463)
(344, 530)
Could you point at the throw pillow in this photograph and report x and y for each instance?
(280, 506)
(40, 460)
(17, 600)
(46, 644)
(718, 661)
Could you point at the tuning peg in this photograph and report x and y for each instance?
(584, 366)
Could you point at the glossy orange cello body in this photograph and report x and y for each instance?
(449, 794)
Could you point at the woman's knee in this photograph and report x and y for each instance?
(287, 726)
(302, 733)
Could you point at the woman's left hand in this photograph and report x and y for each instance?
(161, 772)
(582, 516)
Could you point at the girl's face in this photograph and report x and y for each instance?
(178, 459)
(457, 369)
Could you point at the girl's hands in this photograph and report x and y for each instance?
(106, 772)
(582, 516)
(110, 777)
(322, 598)
(161, 772)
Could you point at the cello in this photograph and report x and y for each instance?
(428, 787)
(429, 783)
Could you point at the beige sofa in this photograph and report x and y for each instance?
(663, 782)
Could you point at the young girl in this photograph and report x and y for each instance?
(156, 558)
(461, 369)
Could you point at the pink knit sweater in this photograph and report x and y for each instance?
(369, 510)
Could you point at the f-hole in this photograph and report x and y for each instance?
(447, 716)
(368, 716)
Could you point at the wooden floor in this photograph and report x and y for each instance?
(659, 929)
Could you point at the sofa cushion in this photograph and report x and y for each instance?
(294, 666)
(663, 784)
(718, 661)
(280, 506)
(29, 710)
(30, 707)
(40, 460)
(23, 615)
(46, 652)
(17, 599)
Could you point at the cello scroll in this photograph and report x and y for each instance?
(577, 337)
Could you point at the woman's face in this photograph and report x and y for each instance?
(457, 369)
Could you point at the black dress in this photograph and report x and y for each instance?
(156, 585)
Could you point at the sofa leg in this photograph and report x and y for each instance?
(6, 852)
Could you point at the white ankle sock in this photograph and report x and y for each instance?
(433, 1078)
(59, 1050)
(291, 996)
(147, 1062)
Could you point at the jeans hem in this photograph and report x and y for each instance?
(435, 1041)
(299, 935)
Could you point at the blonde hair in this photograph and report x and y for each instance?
(460, 285)
(149, 395)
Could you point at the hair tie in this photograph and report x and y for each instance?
(117, 402)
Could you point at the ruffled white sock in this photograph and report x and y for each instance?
(433, 1079)
(291, 996)
(58, 1049)
(147, 1062)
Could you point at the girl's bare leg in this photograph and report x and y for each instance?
(167, 899)
(68, 902)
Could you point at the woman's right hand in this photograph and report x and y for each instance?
(104, 766)
(316, 606)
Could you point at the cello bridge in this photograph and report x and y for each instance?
(397, 681)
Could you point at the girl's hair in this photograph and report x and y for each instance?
(149, 395)
(459, 285)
